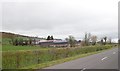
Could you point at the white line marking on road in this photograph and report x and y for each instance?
(114, 52)
(104, 58)
(83, 69)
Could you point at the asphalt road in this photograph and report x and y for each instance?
(105, 60)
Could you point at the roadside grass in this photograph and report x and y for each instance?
(26, 58)
(51, 63)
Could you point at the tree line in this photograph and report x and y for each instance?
(88, 40)
(23, 41)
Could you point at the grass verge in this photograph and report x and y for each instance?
(51, 63)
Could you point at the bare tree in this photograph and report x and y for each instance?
(102, 41)
(87, 38)
(71, 41)
(105, 38)
(93, 39)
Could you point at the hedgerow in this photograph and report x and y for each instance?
(14, 60)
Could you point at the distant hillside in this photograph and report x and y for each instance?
(13, 35)
(10, 35)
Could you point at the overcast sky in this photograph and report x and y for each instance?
(60, 18)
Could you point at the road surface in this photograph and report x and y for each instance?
(105, 60)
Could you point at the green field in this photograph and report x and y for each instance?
(17, 48)
(6, 46)
(24, 56)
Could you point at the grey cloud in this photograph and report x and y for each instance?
(59, 18)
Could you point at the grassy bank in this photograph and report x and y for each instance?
(23, 59)
(54, 62)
